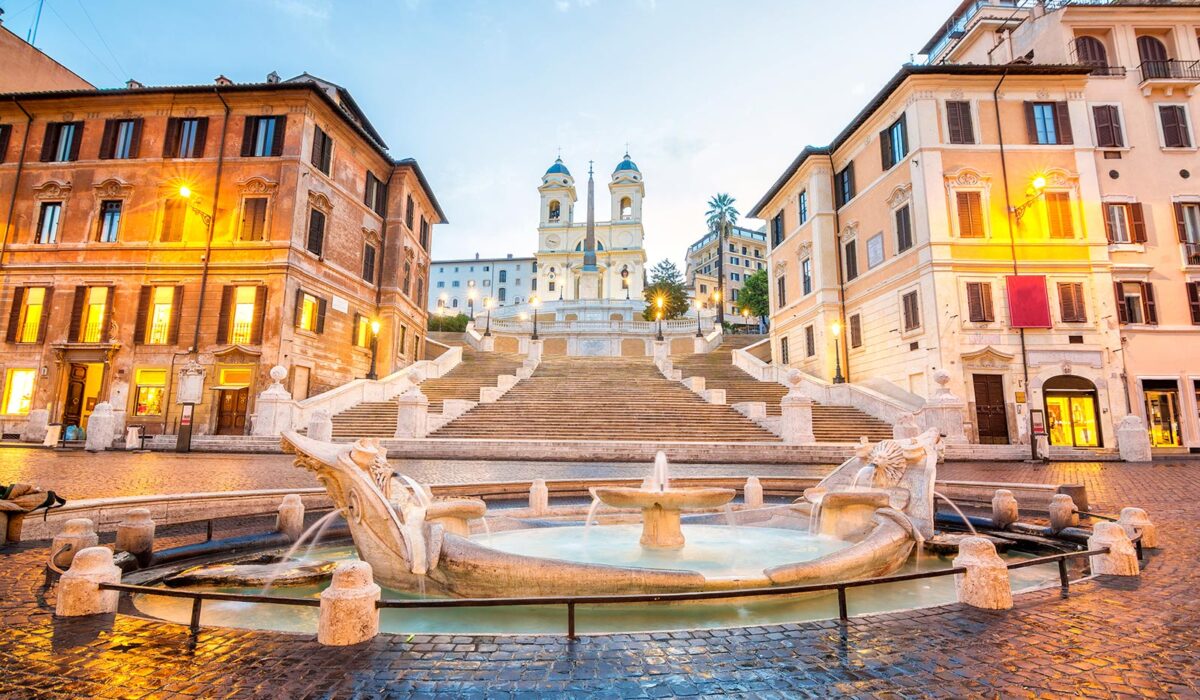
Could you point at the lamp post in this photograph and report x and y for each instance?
(471, 294)
(837, 355)
(745, 317)
(699, 306)
(659, 301)
(534, 303)
(625, 281)
(488, 303)
(374, 348)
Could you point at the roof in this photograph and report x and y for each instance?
(347, 102)
(626, 164)
(558, 167)
(890, 87)
(481, 260)
(412, 162)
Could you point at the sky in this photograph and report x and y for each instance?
(710, 96)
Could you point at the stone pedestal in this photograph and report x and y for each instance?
(80, 533)
(985, 584)
(660, 528)
(753, 493)
(589, 284)
(274, 409)
(348, 613)
(79, 588)
(35, 427)
(1063, 513)
(1121, 559)
(100, 427)
(1004, 509)
(539, 497)
(1135, 521)
(320, 426)
(290, 520)
(662, 351)
(906, 427)
(135, 534)
(412, 414)
(1133, 440)
(796, 425)
(534, 355)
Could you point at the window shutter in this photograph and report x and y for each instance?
(975, 302)
(1066, 302)
(108, 139)
(49, 142)
(1148, 300)
(106, 322)
(1139, 222)
(354, 330)
(5, 136)
(171, 139)
(315, 158)
(78, 138)
(850, 179)
(1106, 209)
(248, 137)
(1122, 308)
(201, 136)
(277, 141)
(1103, 117)
(1030, 123)
(14, 315)
(176, 315)
(298, 306)
(260, 310)
(143, 311)
(321, 315)
(1114, 118)
(227, 294)
(76, 313)
(316, 231)
(885, 148)
(970, 222)
(954, 122)
(135, 141)
(1180, 224)
(44, 322)
(986, 301)
(1062, 123)
(1193, 292)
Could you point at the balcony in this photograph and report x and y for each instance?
(1104, 71)
(1169, 75)
(1191, 254)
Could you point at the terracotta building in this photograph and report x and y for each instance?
(25, 68)
(239, 226)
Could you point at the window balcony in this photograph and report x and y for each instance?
(1104, 71)
(1169, 75)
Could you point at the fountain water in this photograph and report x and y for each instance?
(315, 529)
(956, 510)
(867, 472)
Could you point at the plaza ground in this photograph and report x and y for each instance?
(1110, 639)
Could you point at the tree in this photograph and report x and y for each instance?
(665, 281)
(755, 296)
(721, 216)
(448, 324)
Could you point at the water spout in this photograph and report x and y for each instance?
(419, 491)
(316, 528)
(659, 480)
(866, 473)
(956, 510)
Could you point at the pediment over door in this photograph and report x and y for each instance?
(987, 358)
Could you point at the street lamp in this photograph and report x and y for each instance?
(471, 294)
(625, 281)
(745, 316)
(374, 348)
(837, 355)
(488, 303)
(534, 303)
(659, 301)
(699, 306)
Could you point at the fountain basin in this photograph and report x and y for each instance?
(660, 509)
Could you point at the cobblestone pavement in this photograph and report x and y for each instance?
(1111, 638)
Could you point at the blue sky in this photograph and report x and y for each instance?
(711, 96)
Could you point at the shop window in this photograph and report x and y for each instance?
(151, 387)
(18, 391)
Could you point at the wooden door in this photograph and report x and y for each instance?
(73, 406)
(990, 414)
(231, 411)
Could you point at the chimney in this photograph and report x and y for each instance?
(510, 256)
(477, 256)
(273, 78)
(222, 80)
(132, 84)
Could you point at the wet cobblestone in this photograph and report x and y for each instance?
(1109, 639)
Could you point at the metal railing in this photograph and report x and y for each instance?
(1191, 253)
(1171, 69)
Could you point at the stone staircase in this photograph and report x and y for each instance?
(603, 398)
(830, 423)
(477, 370)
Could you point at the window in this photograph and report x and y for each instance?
(406, 281)
(254, 219)
(362, 331)
(1059, 221)
(979, 302)
(5, 136)
(1090, 51)
(1048, 123)
(322, 150)
(1175, 130)
(893, 142)
(783, 350)
(851, 260)
(368, 266)
(776, 232)
(1124, 223)
(454, 283)
(904, 239)
(263, 136)
(441, 284)
(309, 312)
(735, 277)
(62, 142)
(959, 126)
(874, 250)
(26, 319)
(1135, 303)
(802, 207)
(158, 315)
(151, 387)
(1108, 126)
(555, 210)
(806, 276)
(121, 139)
(733, 248)
(110, 220)
(375, 194)
(1193, 294)
(185, 137)
(1153, 54)
(855, 323)
(242, 310)
(844, 185)
(733, 296)
(1187, 223)
(18, 391)
(424, 233)
(912, 312)
(47, 230)
(502, 295)
(175, 211)
(810, 341)
(503, 276)
(408, 213)
(316, 232)
(90, 314)
(970, 214)
(733, 261)
(1070, 302)
(781, 291)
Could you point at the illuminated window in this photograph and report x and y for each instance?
(94, 311)
(362, 331)
(18, 391)
(1058, 215)
(158, 326)
(970, 214)
(243, 315)
(174, 219)
(151, 387)
(234, 376)
(307, 313)
(29, 320)
(254, 218)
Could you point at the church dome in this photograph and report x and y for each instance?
(558, 167)
(626, 164)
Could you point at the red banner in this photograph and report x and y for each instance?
(1028, 301)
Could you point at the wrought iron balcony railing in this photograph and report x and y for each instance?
(1172, 69)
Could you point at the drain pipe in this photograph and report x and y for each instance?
(844, 349)
(212, 222)
(1012, 244)
(12, 202)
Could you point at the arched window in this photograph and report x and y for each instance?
(626, 208)
(1090, 51)
(454, 303)
(1154, 58)
(503, 276)
(555, 210)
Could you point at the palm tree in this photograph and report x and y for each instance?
(721, 217)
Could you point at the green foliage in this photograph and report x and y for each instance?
(666, 281)
(721, 210)
(448, 324)
(754, 295)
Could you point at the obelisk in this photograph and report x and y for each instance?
(589, 276)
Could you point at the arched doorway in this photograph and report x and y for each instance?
(1072, 416)
(1153, 54)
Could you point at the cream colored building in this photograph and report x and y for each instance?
(745, 253)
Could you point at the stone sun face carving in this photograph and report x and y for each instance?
(889, 461)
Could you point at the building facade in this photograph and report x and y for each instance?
(745, 253)
(1028, 226)
(506, 281)
(27, 69)
(230, 226)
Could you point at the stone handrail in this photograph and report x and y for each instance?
(431, 341)
(673, 327)
(745, 360)
(476, 340)
(709, 341)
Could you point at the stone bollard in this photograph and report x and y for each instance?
(348, 612)
(1135, 520)
(135, 534)
(796, 425)
(412, 414)
(1121, 559)
(79, 588)
(320, 426)
(539, 497)
(80, 533)
(101, 425)
(36, 426)
(985, 584)
(1063, 513)
(1004, 509)
(753, 493)
(1133, 440)
(291, 517)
